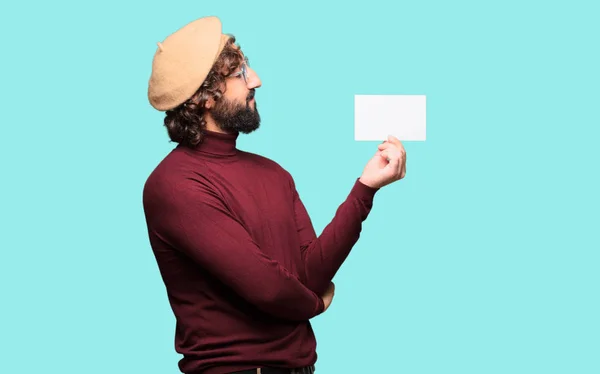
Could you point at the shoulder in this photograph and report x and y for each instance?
(174, 177)
(267, 163)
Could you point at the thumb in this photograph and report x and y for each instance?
(384, 154)
(393, 162)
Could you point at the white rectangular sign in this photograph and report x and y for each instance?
(377, 116)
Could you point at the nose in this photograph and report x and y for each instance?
(253, 79)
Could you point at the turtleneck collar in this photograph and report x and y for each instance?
(217, 143)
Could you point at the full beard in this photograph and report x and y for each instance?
(233, 117)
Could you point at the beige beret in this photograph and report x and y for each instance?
(182, 62)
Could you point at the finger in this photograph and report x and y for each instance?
(390, 153)
(394, 163)
(392, 139)
(385, 154)
(403, 167)
(385, 145)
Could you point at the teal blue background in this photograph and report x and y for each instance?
(484, 259)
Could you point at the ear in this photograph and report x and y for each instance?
(209, 103)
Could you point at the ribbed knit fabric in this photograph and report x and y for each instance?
(241, 262)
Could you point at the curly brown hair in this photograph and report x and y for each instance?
(185, 123)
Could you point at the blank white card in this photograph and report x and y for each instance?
(377, 116)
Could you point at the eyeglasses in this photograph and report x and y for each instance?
(243, 71)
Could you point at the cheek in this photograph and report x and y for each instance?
(236, 90)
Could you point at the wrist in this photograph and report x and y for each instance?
(363, 190)
(368, 183)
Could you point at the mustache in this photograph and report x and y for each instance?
(251, 94)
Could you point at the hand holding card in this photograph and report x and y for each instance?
(387, 166)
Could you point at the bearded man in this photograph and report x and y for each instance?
(242, 265)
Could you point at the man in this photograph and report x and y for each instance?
(243, 268)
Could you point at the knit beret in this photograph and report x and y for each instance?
(182, 62)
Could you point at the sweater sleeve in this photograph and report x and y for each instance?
(193, 218)
(323, 255)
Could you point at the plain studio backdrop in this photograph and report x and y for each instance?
(484, 259)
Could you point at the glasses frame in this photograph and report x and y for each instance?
(243, 70)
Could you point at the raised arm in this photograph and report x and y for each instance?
(324, 255)
(192, 218)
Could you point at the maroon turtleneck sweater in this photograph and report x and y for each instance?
(239, 257)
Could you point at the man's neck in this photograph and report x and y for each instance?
(211, 125)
